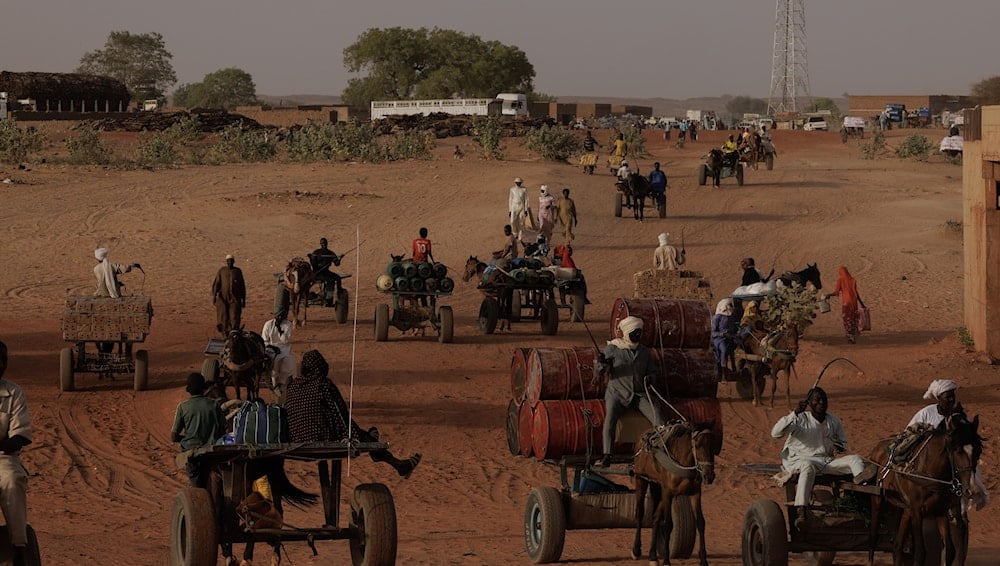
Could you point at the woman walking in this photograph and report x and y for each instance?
(847, 289)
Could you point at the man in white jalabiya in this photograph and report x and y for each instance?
(107, 274)
(517, 207)
(814, 436)
(277, 335)
(666, 257)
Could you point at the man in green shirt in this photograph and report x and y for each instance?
(198, 422)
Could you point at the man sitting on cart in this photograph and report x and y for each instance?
(13, 478)
(730, 150)
(317, 413)
(321, 258)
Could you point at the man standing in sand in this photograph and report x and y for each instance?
(15, 435)
(229, 295)
(517, 207)
(567, 216)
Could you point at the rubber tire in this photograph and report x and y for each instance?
(193, 531)
(210, 369)
(769, 161)
(765, 538)
(578, 306)
(447, 321)
(343, 305)
(381, 322)
(373, 514)
(820, 557)
(33, 553)
(739, 174)
(489, 315)
(141, 382)
(703, 174)
(66, 377)
(515, 306)
(682, 537)
(544, 525)
(618, 205)
(550, 318)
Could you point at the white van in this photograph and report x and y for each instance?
(513, 104)
(815, 123)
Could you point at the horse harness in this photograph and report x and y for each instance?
(656, 442)
(902, 457)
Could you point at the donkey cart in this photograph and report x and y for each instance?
(415, 310)
(110, 326)
(204, 519)
(513, 300)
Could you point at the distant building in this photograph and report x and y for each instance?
(869, 105)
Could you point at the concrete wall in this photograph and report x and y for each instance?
(300, 115)
(592, 110)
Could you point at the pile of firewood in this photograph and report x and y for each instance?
(208, 120)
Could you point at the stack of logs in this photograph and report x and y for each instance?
(208, 121)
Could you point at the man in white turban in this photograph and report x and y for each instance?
(546, 212)
(666, 257)
(107, 274)
(517, 207)
(632, 380)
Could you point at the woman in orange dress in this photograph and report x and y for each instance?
(847, 289)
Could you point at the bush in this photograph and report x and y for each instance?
(323, 141)
(552, 142)
(633, 137)
(875, 147)
(412, 144)
(238, 143)
(914, 146)
(87, 149)
(156, 149)
(15, 143)
(488, 133)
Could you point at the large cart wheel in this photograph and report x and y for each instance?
(578, 304)
(66, 381)
(515, 306)
(544, 525)
(141, 370)
(447, 321)
(769, 161)
(373, 516)
(550, 318)
(33, 555)
(618, 204)
(381, 322)
(489, 314)
(340, 312)
(193, 534)
(685, 530)
(739, 174)
(765, 541)
(703, 174)
(210, 369)
(820, 558)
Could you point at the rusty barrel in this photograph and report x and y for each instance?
(699, 410)
(525, 429)
(513, 413)
(563, 373)
(687, 372)
(667, 323)
(560, 428)
(519, 374)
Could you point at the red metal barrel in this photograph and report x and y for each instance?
(563, 373)
(667, 323)
(700, 410)
(518, 374)
(525, 429)
(688, 372)
(513, 412)
(560, 428)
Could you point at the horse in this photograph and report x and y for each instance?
(768, 353)
(753, 152)
(715, 160)
(636, 189)
(298, 278)
(244, 362)
(930, 483)
(473, 268)
(476, 268)
(808, 275)
(676, 458)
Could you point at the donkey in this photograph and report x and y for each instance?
(298, 278)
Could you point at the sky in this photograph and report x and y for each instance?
(628, 48)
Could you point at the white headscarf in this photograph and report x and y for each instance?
(725, 307)
(627, 325)
(100, 254)
(939, 386)
(544, 189)
(663, 238)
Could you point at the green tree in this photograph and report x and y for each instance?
(141, 61)
(826, 104)
(740, 105)
(987, 91)
(402, 63)
(225, 88)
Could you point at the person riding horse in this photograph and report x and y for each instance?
(321, 259)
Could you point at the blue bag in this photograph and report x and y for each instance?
(259, 423)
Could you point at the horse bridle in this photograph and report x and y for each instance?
(700, 466)
(956, 485)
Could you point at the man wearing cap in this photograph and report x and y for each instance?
(666, 257)
(197, 422)
(546, 212)
(277, 335)
(517, 207)
(15, 435)
(567, 216)
(632, 379)
(107, 274)
(229, 295)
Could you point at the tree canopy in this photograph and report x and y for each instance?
(987, 91)
(141, 61)
(225, 88)
(743, 104)
(822, 103)
(402, 63)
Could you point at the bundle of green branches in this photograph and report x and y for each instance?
(793, 304)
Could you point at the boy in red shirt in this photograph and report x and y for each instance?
(422, 247)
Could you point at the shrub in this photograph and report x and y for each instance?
(323, 141)
(874, 148)
(488, 133)
(633, 137)
(966, 339)
(87, 149)
(15, 143)
(156, 149)
(914, 146)
(552, 142)
(238, 143)
(412, 144)
(186, 130)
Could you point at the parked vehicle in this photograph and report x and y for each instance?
(815, 123)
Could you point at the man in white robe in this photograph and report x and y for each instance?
(277, 335)
(107, 274)
(517, 207)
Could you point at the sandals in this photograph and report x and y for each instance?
(406, 468)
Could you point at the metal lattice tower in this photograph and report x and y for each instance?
(789, 69)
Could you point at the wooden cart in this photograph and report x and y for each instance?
(414, 310)
(527, 300)
(103, 331)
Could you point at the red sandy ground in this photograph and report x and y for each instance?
(102, 465)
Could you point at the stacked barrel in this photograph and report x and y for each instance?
(415, 277)
(557, 405)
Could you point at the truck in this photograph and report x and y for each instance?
(504, 104)
(705, 118)
(895, 112)
(3, 105)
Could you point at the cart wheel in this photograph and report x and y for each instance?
(550, 318)
(210, 369)
(765, 541)
(447, 321)
(66, 382)
(32, 550)
(618, 204)
(141, 370)
(515, 306)
(381, 322)
(340, 312)
(578, 303)
(373, 516)
(739, 174)
(685, 530)
(193, 532)
(820, 558)
(703, 174)
(544, 525)
(769, 161)
(489, 314)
